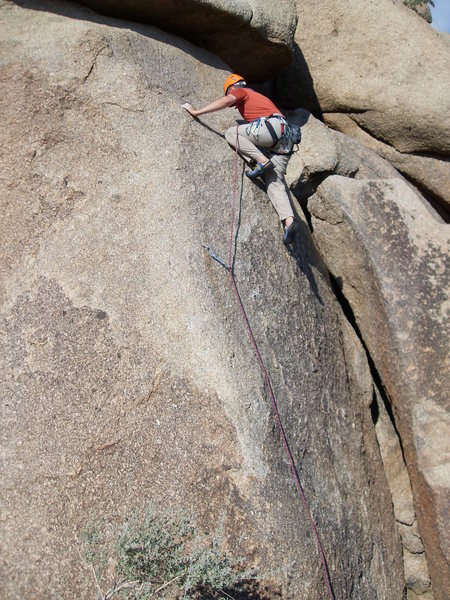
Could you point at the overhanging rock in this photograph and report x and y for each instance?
(254, 37)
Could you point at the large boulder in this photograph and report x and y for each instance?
(380, 65)
(429, 174)
(323, 151)
(390, 257)
(253, 37)
(127, 373)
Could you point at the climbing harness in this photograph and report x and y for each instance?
(229, 268)
(283, 144)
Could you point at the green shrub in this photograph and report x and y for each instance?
(154, 555)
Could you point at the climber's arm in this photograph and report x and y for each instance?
(224, 102)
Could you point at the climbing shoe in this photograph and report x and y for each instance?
(290, 232)
(260, 170)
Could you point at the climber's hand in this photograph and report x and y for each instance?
(191, 110)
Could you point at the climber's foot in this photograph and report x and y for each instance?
(260, 169)
(290, 232)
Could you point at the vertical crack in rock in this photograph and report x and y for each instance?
(94, 63)
(392, 452)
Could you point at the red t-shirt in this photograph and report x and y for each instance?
(253, 105)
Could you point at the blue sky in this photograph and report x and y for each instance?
(441, 15)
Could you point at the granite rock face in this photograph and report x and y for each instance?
(390, 258)
(127, 373)
(253, 37)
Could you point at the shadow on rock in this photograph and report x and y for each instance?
(307, 257)
(294, 87)
(209, 128)
(250, 590)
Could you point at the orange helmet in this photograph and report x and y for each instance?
(231, 80)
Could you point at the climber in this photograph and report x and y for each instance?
(263, 139)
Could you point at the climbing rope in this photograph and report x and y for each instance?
(267, 380)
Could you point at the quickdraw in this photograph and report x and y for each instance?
(214, 256)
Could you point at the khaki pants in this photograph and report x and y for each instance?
(275, 180)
